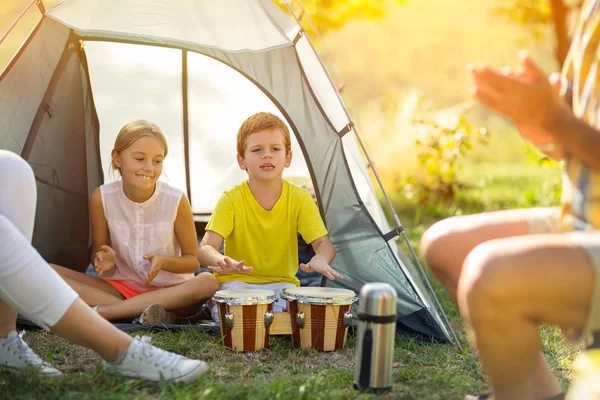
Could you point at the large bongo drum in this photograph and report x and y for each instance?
(245, 316)
(320, 316)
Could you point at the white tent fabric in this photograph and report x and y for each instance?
(197, 68)
(230, 25)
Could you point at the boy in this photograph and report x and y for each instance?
(260, 218)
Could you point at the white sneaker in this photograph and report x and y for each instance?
(16, 355)
(142, 360)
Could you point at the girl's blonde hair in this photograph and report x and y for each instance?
(132, 132)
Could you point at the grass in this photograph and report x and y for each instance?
(283, 372)
(421, 47)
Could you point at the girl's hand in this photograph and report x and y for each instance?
(318, 264)
(157, 263)
(104, 260)
(228, 265)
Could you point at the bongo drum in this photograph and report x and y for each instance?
(320, 316)
(245, 316)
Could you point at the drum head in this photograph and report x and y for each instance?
(244, 296)
(319, 295)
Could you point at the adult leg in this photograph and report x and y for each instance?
(17, 205)
(446, 244)
(194, 291)
(510, 287)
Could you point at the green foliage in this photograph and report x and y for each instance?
(333, 14)
(532, 13)
(441, 146)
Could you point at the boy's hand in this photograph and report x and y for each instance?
(157, 263)
(104, 260)
(228, 265)
(318, 264)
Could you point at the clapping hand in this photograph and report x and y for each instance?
(525, 96)
(104, 260)
(157, 263)
(228, 265)
(318, 264)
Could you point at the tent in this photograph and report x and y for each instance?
(197, 68)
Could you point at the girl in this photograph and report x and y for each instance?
(52, 304)
(143, 238)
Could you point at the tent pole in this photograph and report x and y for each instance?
(400, 229)
(437, 304)
(10, 28)
(40, 5)
(186, 133)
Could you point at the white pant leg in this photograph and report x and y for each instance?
(17, 192)
(27, 283)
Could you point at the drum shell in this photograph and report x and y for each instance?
(324, 328)
(376, 332)
(249, 332)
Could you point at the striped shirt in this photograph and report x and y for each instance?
(580, 201)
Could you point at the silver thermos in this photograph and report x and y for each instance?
(375, 338)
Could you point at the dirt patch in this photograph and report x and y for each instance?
(60, 353)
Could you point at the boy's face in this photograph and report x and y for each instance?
(265, 155)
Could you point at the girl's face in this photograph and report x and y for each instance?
(265, 156)
(141, 163)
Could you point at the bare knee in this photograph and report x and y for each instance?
(435, 243)
(483, 293)
(206, 286)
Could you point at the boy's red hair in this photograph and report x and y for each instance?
(260, 122)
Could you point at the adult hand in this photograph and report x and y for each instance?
(228, 265)
(526, 97)
(318, 264)
(157, 263)
(104, 260)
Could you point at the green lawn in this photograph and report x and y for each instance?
(281, 371)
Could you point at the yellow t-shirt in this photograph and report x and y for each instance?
(266, 240)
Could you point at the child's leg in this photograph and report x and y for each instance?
(194, 291)
(509, 288)
(94, 291)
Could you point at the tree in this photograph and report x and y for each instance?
(332, 14)
(537, 14)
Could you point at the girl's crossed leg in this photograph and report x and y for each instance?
(182, 299)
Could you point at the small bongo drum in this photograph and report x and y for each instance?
(245, 316)
(320, 316)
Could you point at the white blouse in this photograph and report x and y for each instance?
(137, 229)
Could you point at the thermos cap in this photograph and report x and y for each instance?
(377, 299)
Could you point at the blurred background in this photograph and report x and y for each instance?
(400, 65)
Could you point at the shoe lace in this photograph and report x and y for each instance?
(161, 358)
(17, 345)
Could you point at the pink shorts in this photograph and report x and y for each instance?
(129, 291)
